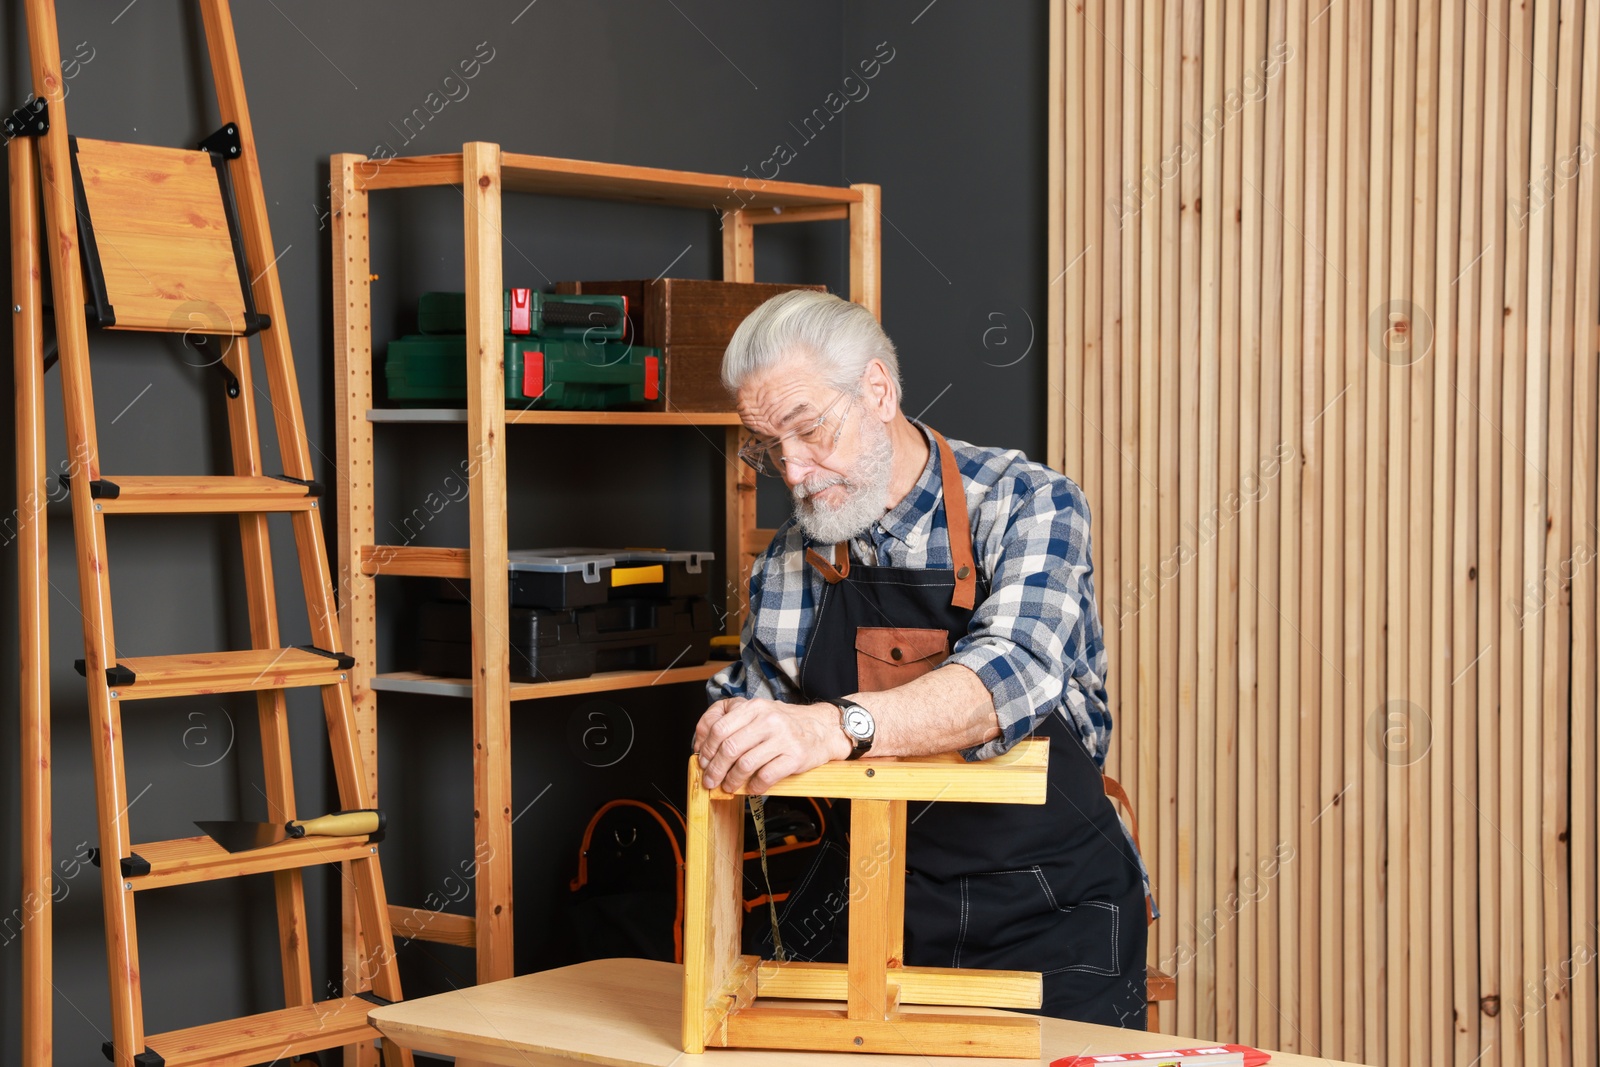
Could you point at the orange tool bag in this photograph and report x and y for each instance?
(627, 897)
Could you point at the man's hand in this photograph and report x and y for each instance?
(754, 744)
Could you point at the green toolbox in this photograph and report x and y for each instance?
(528, 312)
(571, 374)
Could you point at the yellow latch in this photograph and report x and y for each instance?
(638, 575)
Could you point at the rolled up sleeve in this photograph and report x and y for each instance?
(752, 675)
(1035, 640)
(756, 674)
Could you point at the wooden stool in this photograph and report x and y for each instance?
(720, 986)
(1159, 986)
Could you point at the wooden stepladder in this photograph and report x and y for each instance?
(177, 241)
(720, 986)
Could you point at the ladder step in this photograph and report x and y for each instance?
(160, 494)
(158, 864)
(248, 670)
(274, 1036)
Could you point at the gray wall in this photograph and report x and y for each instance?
(951, 127)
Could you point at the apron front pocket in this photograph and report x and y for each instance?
(1011, 920)
(890, 656)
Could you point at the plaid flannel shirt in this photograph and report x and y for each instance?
(1035, 642)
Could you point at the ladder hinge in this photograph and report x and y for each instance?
(134, 865)
(98, 310)
(345, 661)
(231, 380)
(114, 675)
(30, 120)
(373, 998)
(143, 1059)
(223, 145)
(312, 488)
(99, 488)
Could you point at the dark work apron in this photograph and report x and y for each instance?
(1052, 888)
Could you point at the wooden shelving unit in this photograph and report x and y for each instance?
(482, 172)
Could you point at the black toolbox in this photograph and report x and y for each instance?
(545, 645)
(649, 572)
(559, 577)
(647, 635)
(548, 645)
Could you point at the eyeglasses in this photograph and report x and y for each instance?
(818, 437)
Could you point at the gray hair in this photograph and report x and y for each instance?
(841, 338)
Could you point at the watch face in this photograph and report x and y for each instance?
(858, 723)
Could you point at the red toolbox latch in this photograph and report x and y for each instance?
(520, 301)
(652, 377)
(532, 374)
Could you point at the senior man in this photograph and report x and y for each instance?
(929, 596)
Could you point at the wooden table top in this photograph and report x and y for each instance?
(626, 1013)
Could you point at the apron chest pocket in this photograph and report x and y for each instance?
(889, 656)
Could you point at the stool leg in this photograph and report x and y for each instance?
(897, 884)
(712, 913)
(876, 898)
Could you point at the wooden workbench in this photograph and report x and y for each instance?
(626, 1013)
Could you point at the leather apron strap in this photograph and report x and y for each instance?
(1115, 791)
(955, 517)
(834, 572)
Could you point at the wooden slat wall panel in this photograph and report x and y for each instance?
(1270, 846)
(1325, 423)
(1323, 337)
(1585, 537)
(1128, 479)
(1375, 467)
(1494, 852)
(1252, 122)
(1223, 929)
(1188, 485)
(1353, 802)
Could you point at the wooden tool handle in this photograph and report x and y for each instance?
(339, 824)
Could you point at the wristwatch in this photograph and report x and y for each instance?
(858, 725)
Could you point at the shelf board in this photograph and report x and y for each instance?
(430, 685)
(553, 176)
(563, 418)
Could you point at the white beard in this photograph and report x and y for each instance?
(867, 490)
